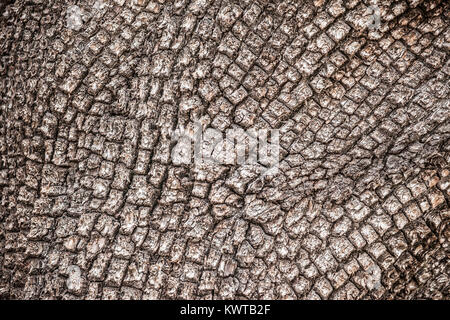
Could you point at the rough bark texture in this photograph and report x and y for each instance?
(92, 205)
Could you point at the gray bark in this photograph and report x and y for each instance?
(92, 205)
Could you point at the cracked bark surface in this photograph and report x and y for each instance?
(92, 206)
